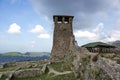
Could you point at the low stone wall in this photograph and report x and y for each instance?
(17, 64)
(27, 73)
(7, 73)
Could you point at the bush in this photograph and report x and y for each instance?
(3, 77)
(118, 61)
(95, 58)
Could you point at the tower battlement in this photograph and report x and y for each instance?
(62, 18)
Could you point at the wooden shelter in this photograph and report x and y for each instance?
(100, 47)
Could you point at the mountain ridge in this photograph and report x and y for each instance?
(29, 54)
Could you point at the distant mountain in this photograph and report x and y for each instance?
(12, 54)
(117, 45)
(115, 42)
(28, 54)
(4, 59)
(35, 54)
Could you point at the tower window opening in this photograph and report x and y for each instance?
(59, 22)
(66, 22)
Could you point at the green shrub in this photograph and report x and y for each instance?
(3, 77)
(95, 58)
(118, 61)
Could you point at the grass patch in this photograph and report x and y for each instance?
(63, 77)
(28, 78)
(12, 54)
(47, 76)
(60, 66)
(3, 77)
(8, 69)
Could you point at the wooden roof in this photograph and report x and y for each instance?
(98, 44)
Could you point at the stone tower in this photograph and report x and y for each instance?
(63, 36)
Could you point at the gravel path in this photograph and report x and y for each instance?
(51, 70)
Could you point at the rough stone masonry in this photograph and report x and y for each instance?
(63, 36)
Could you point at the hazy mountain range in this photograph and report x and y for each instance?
(115, 42)
(29, 54)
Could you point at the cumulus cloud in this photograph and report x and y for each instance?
(94, 35)
(113, 36)
(85, 11)
(40, 31)
(99, 27)
(86, 35)
(44, 36)
(14, 29)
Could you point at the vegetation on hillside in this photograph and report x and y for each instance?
(31, 54)
(12, 54)
(47, 76)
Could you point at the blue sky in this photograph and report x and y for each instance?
(27, 25)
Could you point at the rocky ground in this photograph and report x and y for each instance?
(77, 65)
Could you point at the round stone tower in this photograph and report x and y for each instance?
(63, 36)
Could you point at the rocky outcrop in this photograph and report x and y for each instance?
(110, 67)
(86, 69)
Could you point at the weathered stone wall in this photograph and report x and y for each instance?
(26, 69)
(17, 64)
(26, 64)
(27, 73)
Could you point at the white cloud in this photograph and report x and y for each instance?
(94, 35)
(14, 29)
(85, 34)
(45, 36)
(40, 31)
(109, 39)
(113, 36)
(99, 27)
